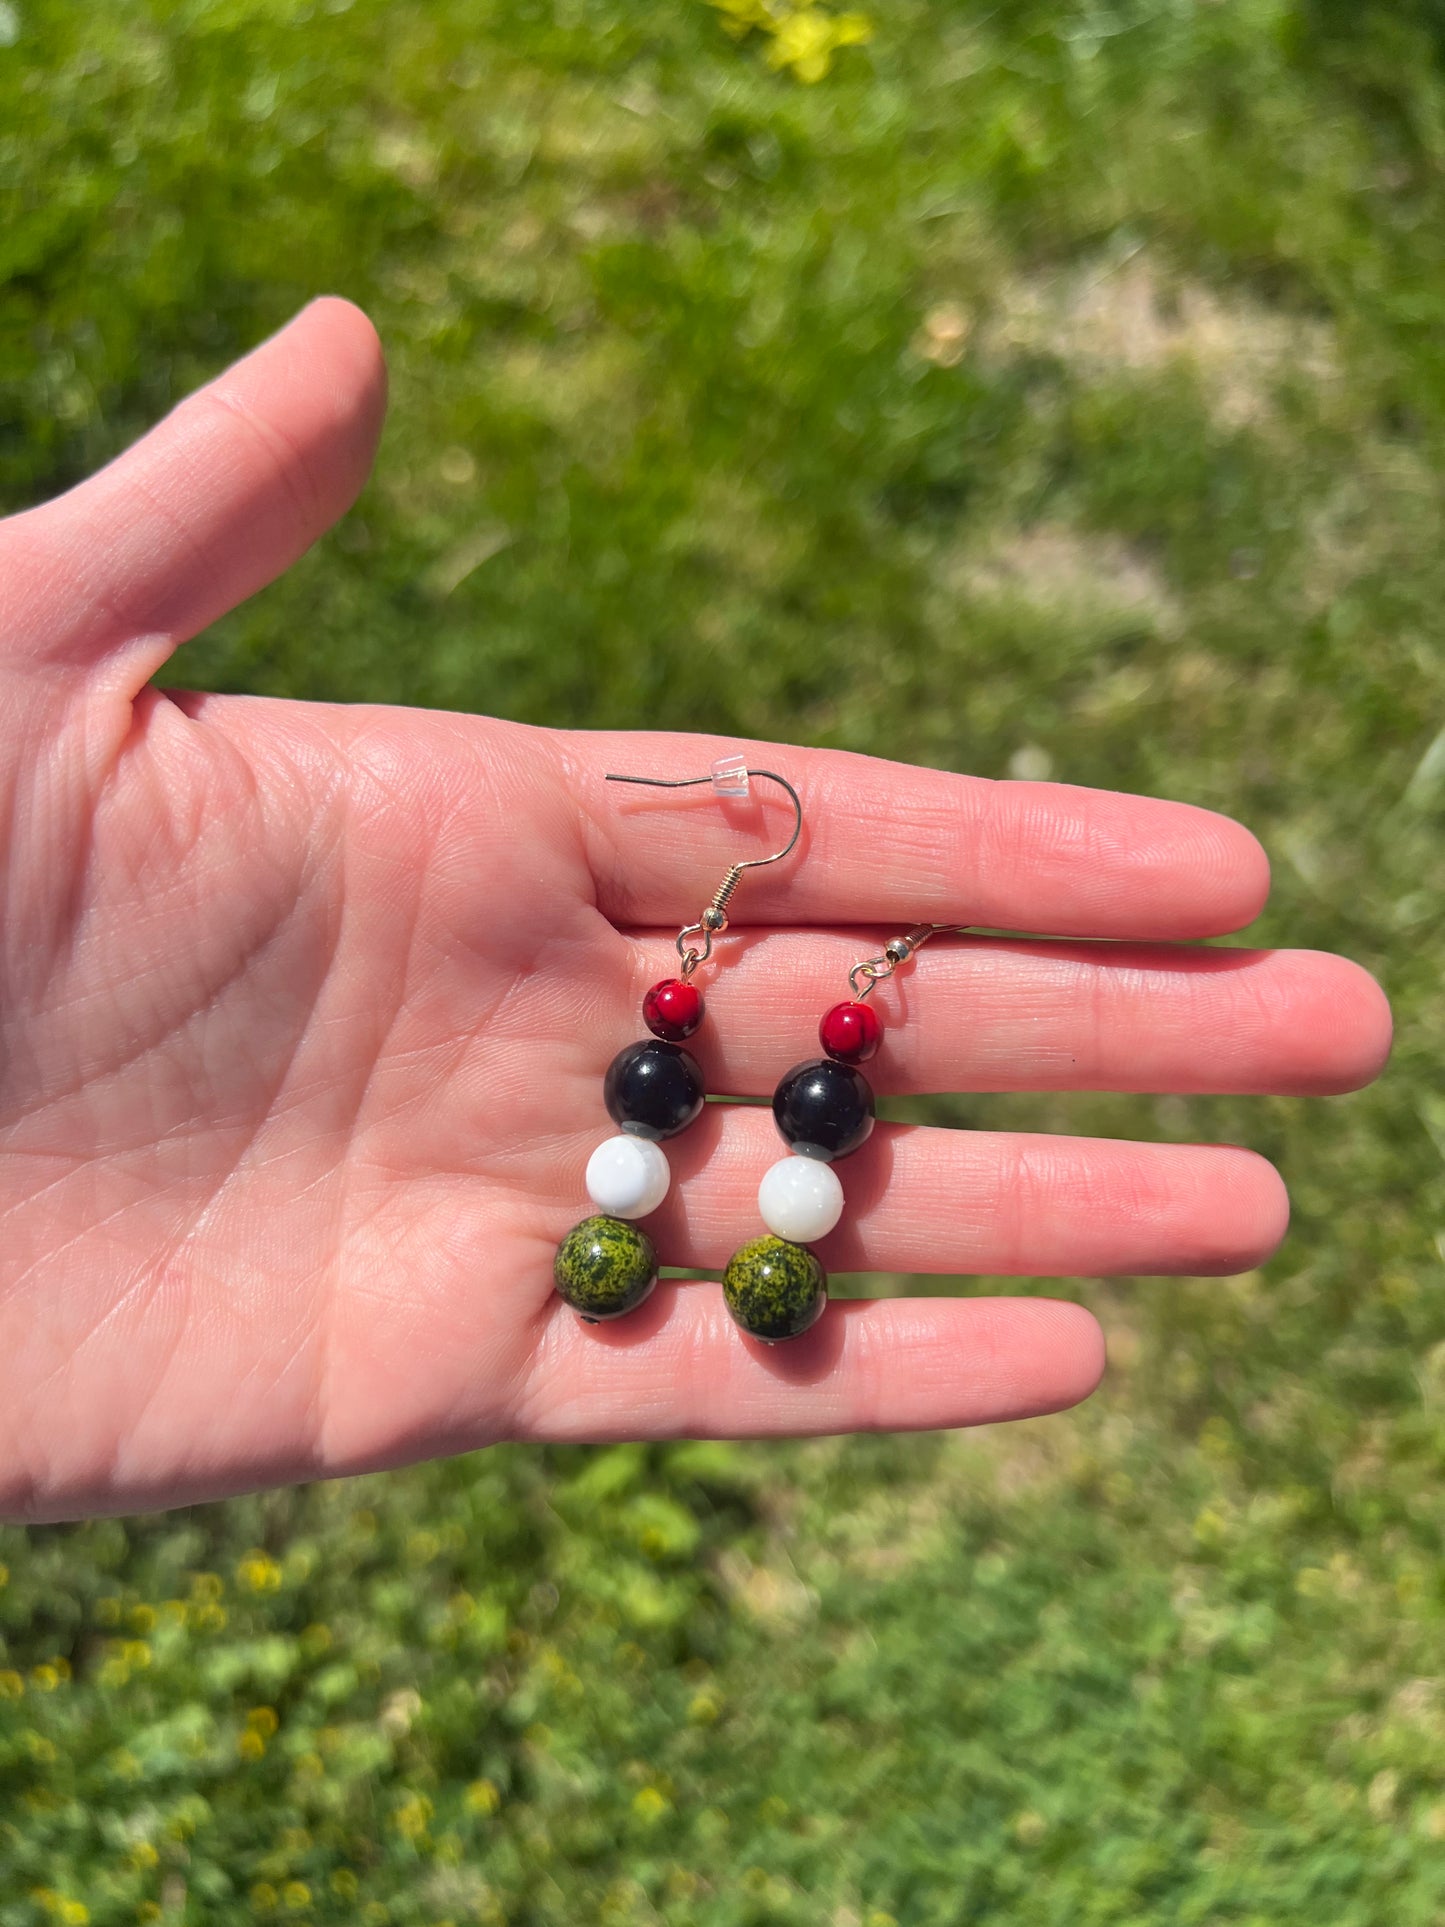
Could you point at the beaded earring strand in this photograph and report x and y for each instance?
(775, 1286)
(606, 1266)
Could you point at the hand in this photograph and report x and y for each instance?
(304, 1012)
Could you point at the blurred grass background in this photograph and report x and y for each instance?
(1054, 388)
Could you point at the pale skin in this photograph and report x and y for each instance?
(304, 1013)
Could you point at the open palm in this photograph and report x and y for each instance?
(304, 1012)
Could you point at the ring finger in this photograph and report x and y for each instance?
(984, 1202)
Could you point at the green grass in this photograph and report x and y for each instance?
(1049, 387)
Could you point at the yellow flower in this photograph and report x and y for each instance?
(142, 1619)
(259, 1572)
(263, 1897)
(250, 1745)
(412, 1816)
(804, 37)
(344, 1884)
(482, 1796)
(263, 1720)
(12, 1686)
(648, 1804)
(45, 1679)
(295, 1896)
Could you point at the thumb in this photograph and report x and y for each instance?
(214, 503)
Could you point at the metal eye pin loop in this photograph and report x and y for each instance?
(729, 777)
(865, 976)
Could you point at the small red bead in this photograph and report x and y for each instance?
(672, 1010)
(850, 1033)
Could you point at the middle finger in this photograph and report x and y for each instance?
(1008, 1014)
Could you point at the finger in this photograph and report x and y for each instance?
(679, 1367)
(995, 1014)
(887, 840)
(215, 502)
(990, 1203)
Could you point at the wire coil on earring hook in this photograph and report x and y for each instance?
(729, 777)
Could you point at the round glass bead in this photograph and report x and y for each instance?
(800, 1199)
(628, 1176)
(824, 1109)
(653, 1089)
(672, 1009)
(775, 1289)
(605, 1268)
(850, 1033)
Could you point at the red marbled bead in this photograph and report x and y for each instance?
(672, 1009)
(850, 1033)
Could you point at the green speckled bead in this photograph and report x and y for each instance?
(775, 1289)
(605, 1268)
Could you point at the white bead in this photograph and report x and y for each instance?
(628, 1176)
(800, 1199)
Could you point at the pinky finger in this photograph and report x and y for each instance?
(679, 1367)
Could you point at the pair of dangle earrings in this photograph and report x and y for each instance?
(774, 1286)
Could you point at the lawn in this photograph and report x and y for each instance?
(1042, 389)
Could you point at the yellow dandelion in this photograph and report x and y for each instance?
(295, 1896)
(412, 1816)
(259, 1572)
(250, 1745)
(482, 1796)
(12, 1686)
(263, 1720)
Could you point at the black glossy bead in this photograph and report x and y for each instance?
(653, 1088)
(824, 1107)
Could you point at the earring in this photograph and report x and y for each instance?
(606, 1266)
(774, 1286)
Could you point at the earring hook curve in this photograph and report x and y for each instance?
(714, 920)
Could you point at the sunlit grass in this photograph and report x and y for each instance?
(1052, 390)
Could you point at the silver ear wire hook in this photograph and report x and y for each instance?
(863, 976)
(729, 777)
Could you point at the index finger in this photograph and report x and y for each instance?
(890, 841)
